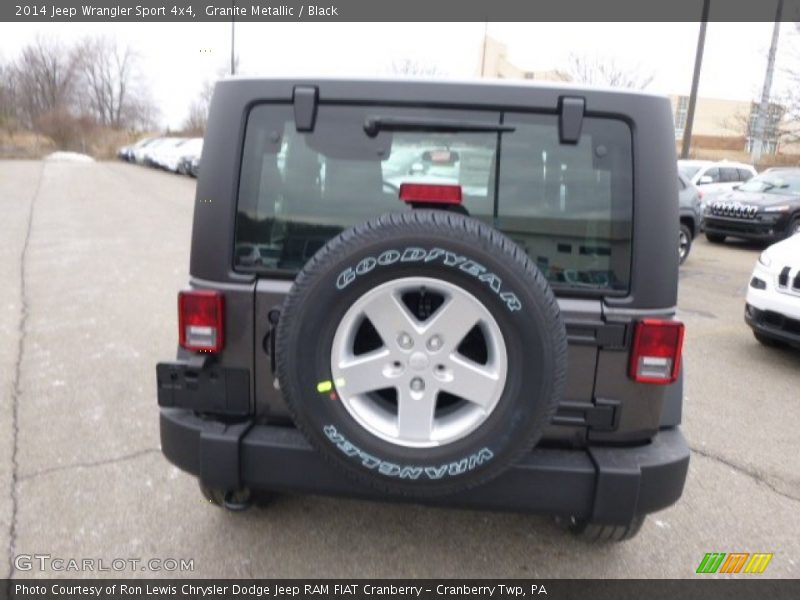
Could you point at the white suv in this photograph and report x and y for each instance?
(773, 296)
(714, 178)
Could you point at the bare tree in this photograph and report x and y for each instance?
(105, 75)
(46, 78)
(604, 72)
(9, 113)
(143, 114)
(75, 94)
(782, 117)
(780, 125)
(197, 118)
(72, 93)
(789, 130)
(413, 68)
(109, 73)
(198, 110)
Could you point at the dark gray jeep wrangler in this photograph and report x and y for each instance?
(456, 294)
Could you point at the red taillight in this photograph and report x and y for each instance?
(656, 353)
(430, 193)
(200, 320)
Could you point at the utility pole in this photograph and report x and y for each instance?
(233, 41)
(698, 62)
(760, 125)
(485, 42)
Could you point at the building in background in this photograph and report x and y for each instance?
(494, 64)
(727, 125)
(722, 128)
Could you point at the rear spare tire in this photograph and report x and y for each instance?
(421, 352)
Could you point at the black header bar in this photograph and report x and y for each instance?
(393, 10)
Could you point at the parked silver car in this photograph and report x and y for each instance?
(715, 178)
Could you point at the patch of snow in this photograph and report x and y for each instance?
(69, 157)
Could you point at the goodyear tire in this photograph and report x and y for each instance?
(421, 352)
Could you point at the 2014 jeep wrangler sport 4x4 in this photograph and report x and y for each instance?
(453, 293)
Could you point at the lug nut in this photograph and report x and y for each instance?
(404, 341)
(434, 343)
(417, 385)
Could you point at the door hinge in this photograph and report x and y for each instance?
(610, 336)
(601, 415)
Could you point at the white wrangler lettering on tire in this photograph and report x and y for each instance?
(390, 469)
(448, 258)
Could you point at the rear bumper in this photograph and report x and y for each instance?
(605, 484)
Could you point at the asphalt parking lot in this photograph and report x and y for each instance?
(91, 257)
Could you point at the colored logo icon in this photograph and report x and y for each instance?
(735, 562)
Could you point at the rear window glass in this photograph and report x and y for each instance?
(568, 206)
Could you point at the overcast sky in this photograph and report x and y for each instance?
(176, 58)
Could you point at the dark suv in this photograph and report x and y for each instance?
(766, 208)
(456, 294)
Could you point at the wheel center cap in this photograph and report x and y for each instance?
(418, 361)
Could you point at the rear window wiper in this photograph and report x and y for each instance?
(373, 125)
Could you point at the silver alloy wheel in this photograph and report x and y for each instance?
(683, 245)
(419, 359)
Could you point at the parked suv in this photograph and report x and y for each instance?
(766, 208)
(494, 329)
(772, 309)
